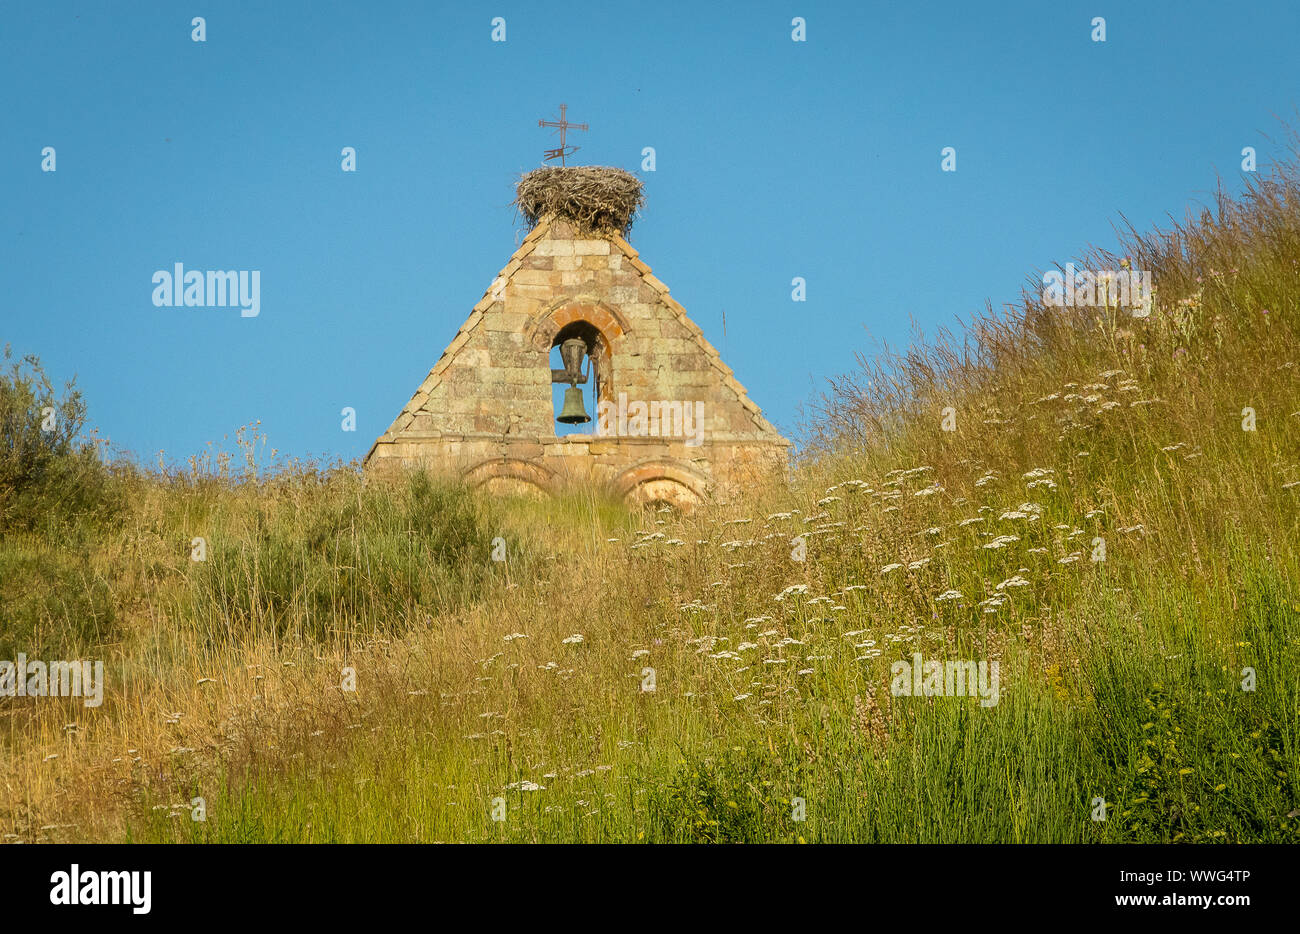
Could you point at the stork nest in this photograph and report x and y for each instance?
(594, 198)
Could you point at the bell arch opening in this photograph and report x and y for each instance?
(580, 377)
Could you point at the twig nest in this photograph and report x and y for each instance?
(594, 198)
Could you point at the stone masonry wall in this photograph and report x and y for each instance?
(485, 410)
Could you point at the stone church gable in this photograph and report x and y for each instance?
(485, 410)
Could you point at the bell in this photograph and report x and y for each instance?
(574, 412)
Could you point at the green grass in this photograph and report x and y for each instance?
(1160, 729)
(1107, 523)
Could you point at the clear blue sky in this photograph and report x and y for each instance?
(775, 159)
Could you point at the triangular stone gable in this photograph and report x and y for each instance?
(485, 409)
(494, 300)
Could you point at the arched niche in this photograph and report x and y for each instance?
(511, 477)
(662, 482)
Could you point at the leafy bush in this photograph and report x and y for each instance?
(47, 472)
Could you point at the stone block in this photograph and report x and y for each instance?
(473, 357)
(574, 280)
(553, 247)
(532, 277)
(538, 293)
(514, 321)
(457, 343)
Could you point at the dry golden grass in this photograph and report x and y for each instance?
(769, 624)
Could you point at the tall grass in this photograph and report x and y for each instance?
(1106, 522)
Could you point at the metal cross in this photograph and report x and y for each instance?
(562, 125)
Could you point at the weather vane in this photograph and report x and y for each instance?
(562, 125)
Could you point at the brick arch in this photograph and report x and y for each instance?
(561, 312)
(661, 479)
(508, 474)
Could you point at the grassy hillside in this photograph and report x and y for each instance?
(1115, 520)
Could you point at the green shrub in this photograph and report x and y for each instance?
(48, 474)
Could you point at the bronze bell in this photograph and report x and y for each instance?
(574, 412)
(571, 352)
